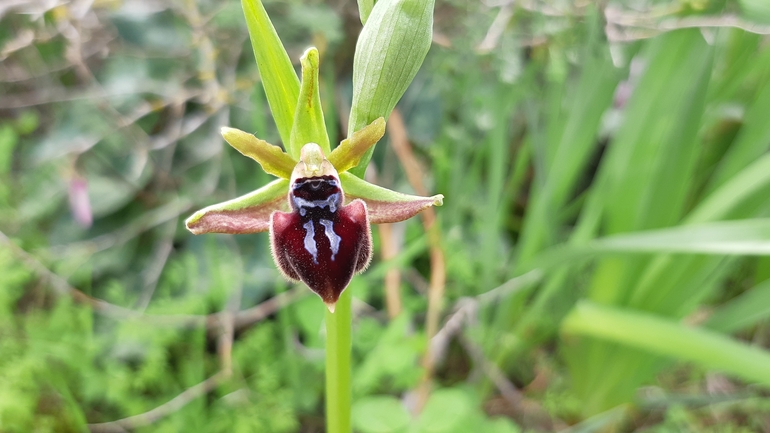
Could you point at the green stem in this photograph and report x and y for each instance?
(338, 346)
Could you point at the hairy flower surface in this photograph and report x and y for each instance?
(318, 215)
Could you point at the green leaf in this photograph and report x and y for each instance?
(502, 425)
(379, 414)
(744, 311)
(648, 168)
(278, 77)
(756, 10)
(364, 9)
(751, 142)
(389, 52)
(741, 237)
(664, 337)
(445, 409)
(739, 188)
(384, 205)
(272, 158)
(249, 213)
(309, 126)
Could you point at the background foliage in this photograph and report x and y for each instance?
(554, 129)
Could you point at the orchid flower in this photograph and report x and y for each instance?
(317, 213)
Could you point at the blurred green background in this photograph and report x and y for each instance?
(581, 275)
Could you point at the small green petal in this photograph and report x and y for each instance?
(384, 205)
(348, 154)
(272, 158)
(246, 214)
(309, 126)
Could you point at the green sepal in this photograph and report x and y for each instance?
(348, 154)
(389, 52)
(309, 126)
(278, 77)
(384, 205)
(249, 213)
(272, 158)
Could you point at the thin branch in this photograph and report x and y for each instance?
(162, 411)
(157, 263)
(496, 29)
(625, 26)
(507, 389)
(466, 308)
(389, 249)
(150, 219)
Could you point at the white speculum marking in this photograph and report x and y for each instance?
(310, 240)
(334, 238)
(330, 202)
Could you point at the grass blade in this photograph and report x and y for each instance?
(671, 339)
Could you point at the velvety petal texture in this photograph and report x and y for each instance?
(323, 253)
(320, 242)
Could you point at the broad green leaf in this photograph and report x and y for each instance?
(348, 154)
(394, 359)
(664, 337)
(379, 414)
(309, 126)
(384, 205)
(278, 77)
(501, 425)
(389, 52)
(744, 311)
(272, 158)
(249, 213)
(445, 409)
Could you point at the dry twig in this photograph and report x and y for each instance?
(242, 319)
(162, 411)
(400, 142)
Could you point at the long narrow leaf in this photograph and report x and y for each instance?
(744, 311)
(278, 77)
(664, 337)
(742, 237)
(732, 193)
